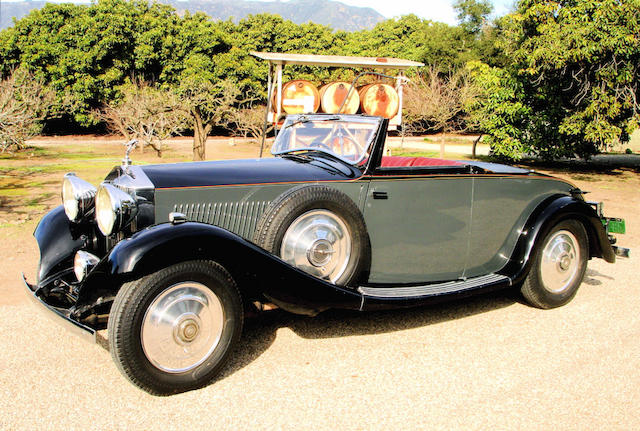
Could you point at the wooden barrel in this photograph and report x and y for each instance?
(298, 97)
(380, 100)
(333, 94)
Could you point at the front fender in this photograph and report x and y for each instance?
(548, 214)
(257, 272)
(58, 240)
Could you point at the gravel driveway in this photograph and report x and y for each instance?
(486, 362)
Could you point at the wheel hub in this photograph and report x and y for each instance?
(564, 262)
(318, 242)
(186, 329)
(319, 254)
(182, 327)
(560, 261)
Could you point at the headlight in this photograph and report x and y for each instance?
(77, 196)
(114, 209)
(83, 263)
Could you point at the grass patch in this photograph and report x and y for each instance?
(449, 140)
(412, 152)
(408, 152)
(22, 154)
(37, 201)
(583, 177)
(9, 192)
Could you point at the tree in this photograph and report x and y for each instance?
(498, 110)
(472, 14)
(146, 113)
(250, 122)
(437, 102)
(433, 43)
(24, 104)
(88, 51)
(210, 104)
(578, 63)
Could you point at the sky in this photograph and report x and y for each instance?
(435, 10)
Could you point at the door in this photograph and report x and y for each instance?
(419, 228)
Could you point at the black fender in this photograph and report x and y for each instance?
(257, 272)
(58, 240)
(550, 212)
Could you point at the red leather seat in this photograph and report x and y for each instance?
(398, 161)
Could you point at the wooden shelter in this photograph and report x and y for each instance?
(278, 60)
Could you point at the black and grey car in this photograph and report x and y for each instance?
(170, 258)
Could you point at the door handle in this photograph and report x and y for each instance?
(380, 195)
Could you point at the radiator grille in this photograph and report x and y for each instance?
(238, 217)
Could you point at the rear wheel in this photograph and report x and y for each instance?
(172, 331)
(558, 266)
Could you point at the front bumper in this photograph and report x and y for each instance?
(60, 315)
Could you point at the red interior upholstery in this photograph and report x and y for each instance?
(398, 161)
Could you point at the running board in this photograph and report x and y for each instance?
(434, 289)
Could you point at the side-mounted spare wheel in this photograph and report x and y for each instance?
(172, 331)
(319, 230)
(558, 266)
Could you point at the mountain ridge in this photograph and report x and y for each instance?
(335, 14)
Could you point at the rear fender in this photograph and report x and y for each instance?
(257, 272)
(548, 214)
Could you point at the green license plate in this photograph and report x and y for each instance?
(614, 225)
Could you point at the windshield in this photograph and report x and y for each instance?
(347, 137)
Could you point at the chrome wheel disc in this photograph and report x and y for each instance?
(560, 261)
(318, 242)
(182, 327)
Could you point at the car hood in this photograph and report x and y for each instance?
(248, 171)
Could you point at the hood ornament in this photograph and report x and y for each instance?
(126, 162)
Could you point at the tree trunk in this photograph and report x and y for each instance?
(442, 145)
(475, 144)
(199, 136)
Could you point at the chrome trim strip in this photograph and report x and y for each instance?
(433, 289)
(58, 315)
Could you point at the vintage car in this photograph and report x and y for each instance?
(170, 258)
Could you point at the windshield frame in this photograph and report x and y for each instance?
(293, 120)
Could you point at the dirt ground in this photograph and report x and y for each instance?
(486, 362)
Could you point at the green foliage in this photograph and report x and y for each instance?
(472, 14)
(87, 51)
(579, 65)
(415, 39)
(557, 77)
(498, 111)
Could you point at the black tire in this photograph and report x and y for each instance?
(286, 209)
(129, 312)
(541, 294)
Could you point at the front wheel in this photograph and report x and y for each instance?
(558, 266)
(172, 331)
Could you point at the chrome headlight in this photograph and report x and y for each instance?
(77, 196)
(114, 209)
(83, 262)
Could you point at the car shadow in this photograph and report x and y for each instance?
(260, 331)
(591, 277)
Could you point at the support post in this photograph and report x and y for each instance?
(266, 112)
(278, 99)
(399, 89)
